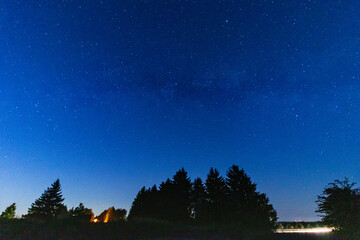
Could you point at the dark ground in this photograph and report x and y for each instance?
(19, 229)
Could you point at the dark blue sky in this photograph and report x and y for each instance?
(112, 95)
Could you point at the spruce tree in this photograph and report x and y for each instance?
(9, 212)
(198, 201)
(216, 197)
(138, 207)
(248, 207)
(145, 204)
(50, 204)
(181, 197)
(152, 203)
(166, 200)
(241, 193)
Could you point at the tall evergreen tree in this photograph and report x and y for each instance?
(166, 200)
(153, 203)
(216, 197)
(9, 212)
(181, 197)
(198, 201)
(241, 193)
(248, 207)
(137, 209)
(145, 204)
(50, 204)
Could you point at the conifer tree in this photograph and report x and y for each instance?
(50, 204)
(137, 209)
(216, 197)
(9, 212)
(241, 193)
(166, 200)
(173, 198)
(145, 204)
(181, 197)
(248, 207)
(152, 203)
(198, 201)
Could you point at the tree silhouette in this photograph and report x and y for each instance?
(233, 201)
(181, 197)
(138, 205)
(247, 206)
(118, 214)
(339, 205)
(50, 204)
(241, 193)
(216, 197)
(81, 213)
(198, 201)
(145, 204)
(9, 212)
(165, 200)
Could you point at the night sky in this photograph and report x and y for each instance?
(112, 95)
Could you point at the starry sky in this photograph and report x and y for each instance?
(112, 95)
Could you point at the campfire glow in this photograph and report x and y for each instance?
(107, 216)
(104, 217)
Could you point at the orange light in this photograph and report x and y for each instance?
(107, 216)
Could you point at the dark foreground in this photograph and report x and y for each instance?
(73, 230)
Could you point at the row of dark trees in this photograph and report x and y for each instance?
(230, 201)
(233, 200)
(51, 205)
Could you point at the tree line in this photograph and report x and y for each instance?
(233, 200)
(230, 201)
(50, 205)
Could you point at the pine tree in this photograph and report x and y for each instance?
(181, 197)
(137, 209)
(166, 200)
(9, 212)
(50, 204)
(152, 203)
(216, 197)
(241, 193)
(145, 204)
(198, 201)
(248, 207)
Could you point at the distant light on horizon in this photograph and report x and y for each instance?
(310, 230)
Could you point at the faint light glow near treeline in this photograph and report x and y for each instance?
(310, 230)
